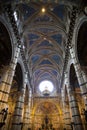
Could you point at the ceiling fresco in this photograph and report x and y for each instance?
(45, 33)
(44, 28)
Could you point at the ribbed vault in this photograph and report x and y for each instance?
(45, 34)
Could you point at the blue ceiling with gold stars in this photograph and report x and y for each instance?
(44, 24)
(45, 34)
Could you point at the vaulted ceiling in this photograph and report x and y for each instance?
(44, 30)
(44, 27)
(45, 35)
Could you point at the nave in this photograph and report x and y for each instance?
(43, 65)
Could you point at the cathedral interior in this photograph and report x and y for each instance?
(43, 65)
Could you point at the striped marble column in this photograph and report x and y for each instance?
(29, 107)
(82, 79)
(2, 85)
(17, 117)
(2, 103)
(66, 113)
(26, 114)
(67, 118)
(7, 79)
(76, 118)
(18, 112)
(26, 117)
(84, 76)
